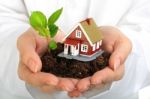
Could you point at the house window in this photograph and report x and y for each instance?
(78, 33)
(84, 48)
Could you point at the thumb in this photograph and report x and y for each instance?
(26, 45)
(121, 51)
(32, 61)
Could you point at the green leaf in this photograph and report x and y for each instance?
(44, 32)
(38, 20)
(53, 30)
(52, 45)
(54, 17)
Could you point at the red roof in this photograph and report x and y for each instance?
(72, 41)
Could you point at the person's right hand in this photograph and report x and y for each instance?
(31, 46)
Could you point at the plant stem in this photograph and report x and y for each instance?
(48, 40)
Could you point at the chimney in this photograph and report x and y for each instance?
(88, 21)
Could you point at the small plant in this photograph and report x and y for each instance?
(46, 28)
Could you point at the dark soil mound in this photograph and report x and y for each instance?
(69, 67)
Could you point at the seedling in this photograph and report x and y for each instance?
(46, 27)
(79, 55)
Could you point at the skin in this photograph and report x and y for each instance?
(120, 47)
(31, 46)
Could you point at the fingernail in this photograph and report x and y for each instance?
(117, 63)
(32, 65)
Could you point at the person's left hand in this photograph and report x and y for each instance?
(120, 47)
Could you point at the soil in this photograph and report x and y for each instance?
(62, 67)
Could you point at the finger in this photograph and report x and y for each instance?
(48, 88)
(26, 45)
(103, 76)
(83, 84)
(119, 72)
(74, 93)
(59, 36)
(122, 48)
(41, 44)
(107, 75)
(65, 84)
(36, 79)
(74, 81)
(109, 38)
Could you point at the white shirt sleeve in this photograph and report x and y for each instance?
(136, 26)
(13, 17)
(13, 22)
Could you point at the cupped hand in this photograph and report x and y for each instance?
(116, 43)
(31, 46)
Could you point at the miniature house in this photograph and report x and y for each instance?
(85, 39)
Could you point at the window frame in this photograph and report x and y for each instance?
(78, 33)
(84, 48)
